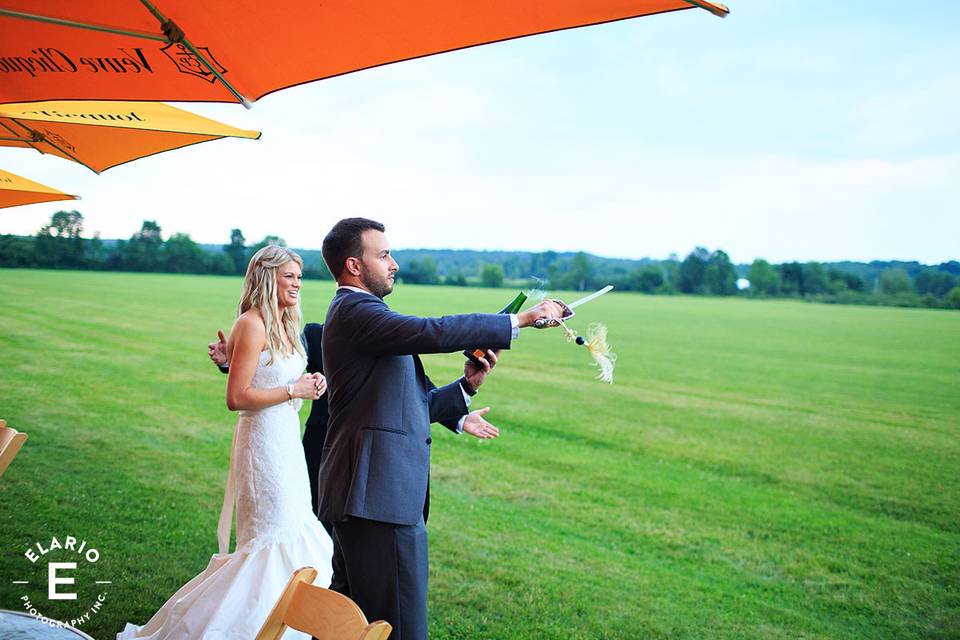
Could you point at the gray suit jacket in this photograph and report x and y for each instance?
(376, 458)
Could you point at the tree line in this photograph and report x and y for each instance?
(61, 244)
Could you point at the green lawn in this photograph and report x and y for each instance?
(759, 469)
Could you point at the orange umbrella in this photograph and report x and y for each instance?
(100, 135)
(241, 50)
(16, 190)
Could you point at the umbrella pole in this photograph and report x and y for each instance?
(169, 26)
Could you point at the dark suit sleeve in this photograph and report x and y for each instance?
(312, 338)
(447, 405)
(380, 331)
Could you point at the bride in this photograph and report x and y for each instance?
(277, 531)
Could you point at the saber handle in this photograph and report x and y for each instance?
(568, 308)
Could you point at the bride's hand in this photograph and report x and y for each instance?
(306, 387)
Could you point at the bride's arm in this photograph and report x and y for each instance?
(247, 340)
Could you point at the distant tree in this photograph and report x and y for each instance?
(267, 240)
(690, 276)
(492, 275)
(814, 278)
(236, 251)
(764, 279)
(541, 263)
(456, 280)
(671, 273)
(182, 255)
(954, 297)
(580, 273)
(515, 266)
(220, 263)
(420, 271)
(65, 224)
(317, 272)
(648, 279)
(952, 267)
(844, 281)
(895, 281)
(719, 276)
(934, 281)
(95, 253)
(143, 251)
(791, 278)
(16, 251)
(59, 243)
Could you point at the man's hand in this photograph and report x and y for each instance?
(475, 425)
(548, 310)
(475, 374)
(218, 350)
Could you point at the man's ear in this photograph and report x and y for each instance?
(353, 266)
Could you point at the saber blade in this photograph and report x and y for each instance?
(592, 296)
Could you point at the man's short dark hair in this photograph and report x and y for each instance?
(344, 241)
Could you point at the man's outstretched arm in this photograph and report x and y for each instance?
(378, 330)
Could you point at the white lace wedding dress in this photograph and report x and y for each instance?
(277, 532)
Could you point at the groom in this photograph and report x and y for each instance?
(374, 476)
(315, 431)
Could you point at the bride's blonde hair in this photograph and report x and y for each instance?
(260, 292)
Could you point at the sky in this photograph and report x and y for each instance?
(813, 130)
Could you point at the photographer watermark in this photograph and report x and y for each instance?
(53, 575)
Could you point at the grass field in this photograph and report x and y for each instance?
(763, 469)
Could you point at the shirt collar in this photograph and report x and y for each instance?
(357, 289)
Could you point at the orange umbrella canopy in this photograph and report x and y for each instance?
(240, 50)
(100, 135)
(16, 190)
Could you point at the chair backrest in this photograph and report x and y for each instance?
(324, 614)
(10, 442)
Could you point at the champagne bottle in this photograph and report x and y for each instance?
(514, 307)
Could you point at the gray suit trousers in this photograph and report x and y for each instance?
(386, 573)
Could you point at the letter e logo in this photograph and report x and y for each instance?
(53, 581)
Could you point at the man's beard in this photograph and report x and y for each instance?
(380, 287)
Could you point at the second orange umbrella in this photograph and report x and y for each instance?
(100, 135)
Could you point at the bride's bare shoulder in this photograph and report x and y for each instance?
(249, 328)
(250, 320)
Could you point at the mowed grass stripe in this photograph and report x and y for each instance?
(760, 469)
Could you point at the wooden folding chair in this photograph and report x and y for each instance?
(10, 442)
(324, 614)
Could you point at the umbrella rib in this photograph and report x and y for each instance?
(717, 9)
(9, 13)
(56, 146)
(29, 141)
(166, 22)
